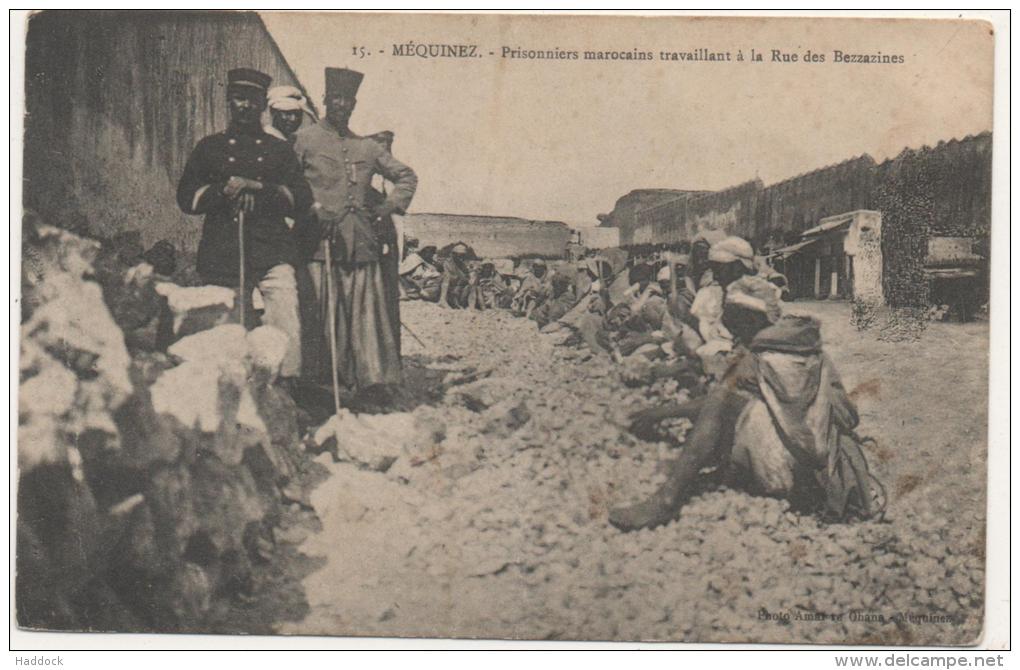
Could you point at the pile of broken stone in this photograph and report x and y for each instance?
(156, 455)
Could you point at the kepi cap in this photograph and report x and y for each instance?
(246, 76)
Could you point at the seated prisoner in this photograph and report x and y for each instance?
(419, 277)
(453, 290)
(558, 304)
(535, 288)
(774, 420)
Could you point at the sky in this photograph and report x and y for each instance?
(563, 139)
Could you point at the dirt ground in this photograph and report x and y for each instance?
(501, 531)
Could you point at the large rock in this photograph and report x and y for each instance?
(223, 342)
(197, 308)
(74, 368)
(46, 395)
(372, 441)
(47, 251)
(210, 388)
(267, 347)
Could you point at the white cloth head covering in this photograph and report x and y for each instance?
(288, 99)
(711, 236)
(732, 249)
(755, 293)
(664, 273)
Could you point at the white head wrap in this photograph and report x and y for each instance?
(288, 99)
(757, 294)
(732, 249)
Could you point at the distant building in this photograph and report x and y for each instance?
(116, 100)
(684, 216)
(924, 218)
(624, 214)
(490, 236)
(841, 257)
(599, 237)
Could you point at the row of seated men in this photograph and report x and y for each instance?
(613, 305)
(711, 320)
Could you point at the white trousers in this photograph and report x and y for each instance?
(278, 287)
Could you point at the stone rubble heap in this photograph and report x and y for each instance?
(494, 524)
(151, 484)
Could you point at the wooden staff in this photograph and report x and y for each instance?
(242, 301)
(331, 309)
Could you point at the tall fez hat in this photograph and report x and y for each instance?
(342, 81)
(245, 76)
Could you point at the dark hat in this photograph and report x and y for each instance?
(342, 80)
(245, 76)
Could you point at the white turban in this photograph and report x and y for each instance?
(732, 249)
(288, 99)
(757, 294)
(710, 236)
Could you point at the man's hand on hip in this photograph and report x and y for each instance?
(383, 210)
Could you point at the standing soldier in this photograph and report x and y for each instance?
(244, 175)
(339, 166)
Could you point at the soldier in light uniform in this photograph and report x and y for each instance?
(340, 165)
(245, 169)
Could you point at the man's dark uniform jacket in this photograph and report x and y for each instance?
(268, 239)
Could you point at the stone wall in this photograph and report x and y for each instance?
(490, 236)
(600, 237)
(115, 102)
(788, 208)
(624, 214)
(944, 190)
(941, 191)
(731, 210)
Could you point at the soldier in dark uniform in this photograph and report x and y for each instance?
(245, 169)
(339, 166)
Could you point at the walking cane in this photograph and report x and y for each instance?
(242, 302)
(411, 333)
(331, 309)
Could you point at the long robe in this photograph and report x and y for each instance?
(365, 287)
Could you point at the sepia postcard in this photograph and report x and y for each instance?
(515, 326)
